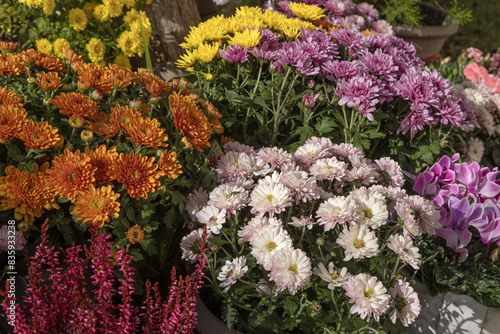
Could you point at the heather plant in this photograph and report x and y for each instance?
(283, 80)
(467, 197)
(87, 145)
(82, 294)
(101, 31)
(313, 240)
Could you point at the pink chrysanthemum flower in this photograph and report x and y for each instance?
(254, 225)
(403, 246)
(190, 245)
(233, 167)
(270, 198)
(332, 276)
(337, 210)
(362, 172)
(267, 241)
(349, 151)
(405, 303)
(303, 188)
(277, 157)
(303, 221)
(325, 143)
(391, 195)
(369, 296)
(329, 169)
(372, 208)
(390, 172)
(291, 269)
(213, 217)
(419, 215)
(196, 201)
(231, 271)
(234, 146)
(231, 198)
(358, 242)
(307, 154)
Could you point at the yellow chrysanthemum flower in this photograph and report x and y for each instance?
(123, 61)
(44, 45)
(208, 76)
(193, 39)
(96, 49)
(129, 43)
(48, 7)
(114, 7)
(245, 11)
(291, 27)
(273, 19)
(206, 52)
(77, 19)
(135, 28)
(240, 23)
(186, 60)
(247, 38)
(101, 12)
(307, 12)
(88, 8)
(149, 2)
(131, 16)
(58, 47)
(129, 3)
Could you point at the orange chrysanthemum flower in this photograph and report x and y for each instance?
(169, 164)
(135, 234)
(72, 56)
(28, 56)
(143, 108)
(10, 98)
(28, 194)
(122, 77)
(50, 62)
(11, 64)
(154, 84)
(98, 77)
(102, 126)
(96, 206)
(217, 126)
(103, 159)
(212, 110)
(48, 81)
(12, 119)
(190, 121)
(76, 104)
(8, 46)
(139, 174)
(146, 131)
(38, 135)
(121, 116)
(70, 173)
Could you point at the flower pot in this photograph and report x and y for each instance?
(428, 40)
(208, 323)
(449, 313)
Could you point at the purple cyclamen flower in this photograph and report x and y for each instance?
(234, 54)
(360, 91)
(309, 100)
(489, 224)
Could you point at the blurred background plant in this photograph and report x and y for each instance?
(102, 31)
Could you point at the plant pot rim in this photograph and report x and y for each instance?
(425, 31)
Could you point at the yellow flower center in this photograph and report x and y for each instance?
(293, 268)
(96, 202)
(368, 213)
(359, 243)
(71, 176)
(229, 273)
(271, 245)
(270, 197)
(369, 292)
(335, 276)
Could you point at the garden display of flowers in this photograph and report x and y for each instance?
(281, 80)
(310, 240)
(103, 31)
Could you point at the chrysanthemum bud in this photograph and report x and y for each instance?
(320, 241)
(214, 248)
(87, 135)
(46, 101)
(440, 249)
(59, 144)
(31, 80)
(494, 255)
(96, 95)
(67, 87)
(161, 189)
(83, 86)
(22, 226)
(316, 307)
(154, 99)
(147, 229)
(191, 225)
(69, 146)
(314, 315)
(76, 121)
(136, 103)
(304, 295)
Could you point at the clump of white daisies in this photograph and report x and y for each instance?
(310, 240)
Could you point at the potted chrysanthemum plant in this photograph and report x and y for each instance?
(310, 240)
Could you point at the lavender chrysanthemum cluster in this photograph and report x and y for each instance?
(266, 197)
(467, 196)
(366, 72)
(342, 13)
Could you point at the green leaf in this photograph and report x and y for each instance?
(230, 316)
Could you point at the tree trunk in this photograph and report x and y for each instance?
(170, 21)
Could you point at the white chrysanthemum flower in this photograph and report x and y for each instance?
(332, 276)
(403, 246)
(233, 167)
(358, 242)
(390, 172)
(485, 119)
(196, 201)
(303, 221)
(337, 210)
(190, 245)
(277, 157)
(307, 154)
(391, 194)
(362, 172)
(254, 225)
(329, 169)
(238, 147)
(231, 271)
(229, 197)
(474, 96)
(213, 217)
(474, 151)
(270, 198)
(291, 269)
(267, 241)
(418, 215)
(303, 188)
(405, 303)
(372, 207)
(369, 296)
